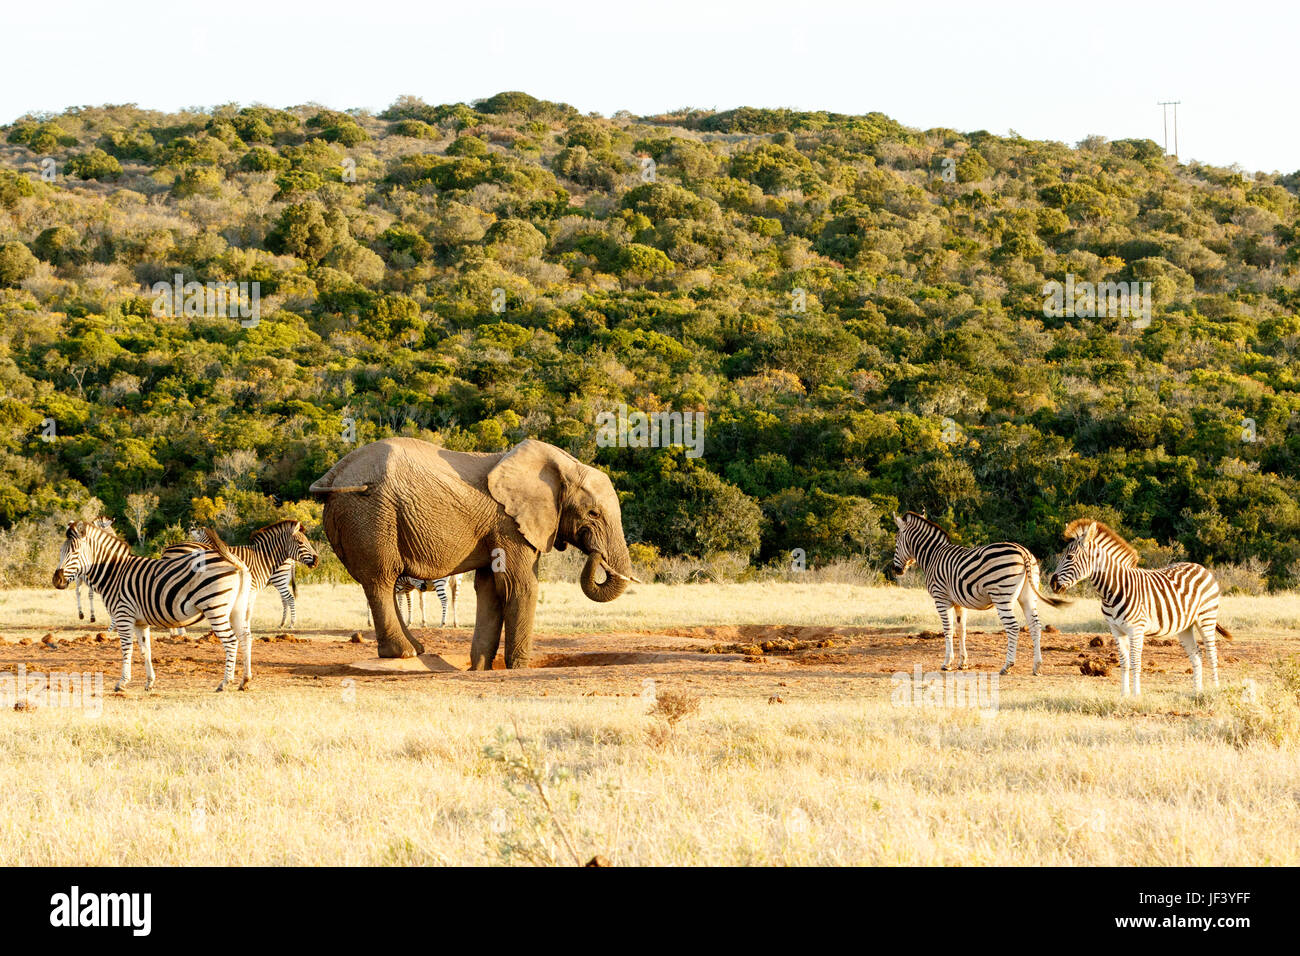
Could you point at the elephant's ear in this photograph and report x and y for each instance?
(529, 484)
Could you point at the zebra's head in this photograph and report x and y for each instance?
(286, 539)
(74, 556)
(1079, 558)
(904, 544)
(304, 553)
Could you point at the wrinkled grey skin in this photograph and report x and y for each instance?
(404, 506)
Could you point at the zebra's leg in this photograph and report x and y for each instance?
(1210, 636)
(946, 620)
(219, 621)
(287, 606)
(125, 627)
(146, 651)
(1010, 624)
(1135, 654)
(959, 616)
(1188, 639)
(90, 591)
(81, 615)
(1030, 607)
(1121, 651)
(423, 621)
(442, 600)
(455, 586)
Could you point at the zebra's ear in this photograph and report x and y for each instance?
(898, 521)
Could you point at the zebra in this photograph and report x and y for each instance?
(107, 525)
(959, 578)
(177, 590)
(446, 589)
(1137, 603)
(272, 553)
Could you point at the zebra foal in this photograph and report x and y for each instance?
(161, 592)
(1137, 603)
(959, 578)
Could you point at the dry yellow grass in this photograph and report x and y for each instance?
(352, 772)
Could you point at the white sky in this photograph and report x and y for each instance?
(1049, 71)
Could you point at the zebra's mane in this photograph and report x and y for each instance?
(925, 520)
(90, 525)
(267, 529)
(1128, 554)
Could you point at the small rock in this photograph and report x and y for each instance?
(1097, 642)
(49, 639)
(24, 705)
(356, 638)
(598, 860)
(775, 699)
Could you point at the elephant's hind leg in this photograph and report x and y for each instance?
(391, 632)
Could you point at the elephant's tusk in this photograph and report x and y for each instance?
(622, 577)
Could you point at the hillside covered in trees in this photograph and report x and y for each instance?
(857, 306)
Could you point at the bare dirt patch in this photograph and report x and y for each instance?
(802, 661)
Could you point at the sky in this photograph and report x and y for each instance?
(1048, 71)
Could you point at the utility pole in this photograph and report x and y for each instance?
(1164, 109)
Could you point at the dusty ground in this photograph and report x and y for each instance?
(733, 659)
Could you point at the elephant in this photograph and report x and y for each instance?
(405, 506)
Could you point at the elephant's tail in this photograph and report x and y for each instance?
(318, 489)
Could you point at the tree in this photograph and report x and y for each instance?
(140, 507)
(16, 264)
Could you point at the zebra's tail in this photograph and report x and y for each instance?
(293, 580)
(1227, 634)
(1032, 573)
(245, 578)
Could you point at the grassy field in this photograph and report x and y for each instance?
(808, 766)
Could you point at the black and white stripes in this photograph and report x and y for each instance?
(170, 591)
(446, 589)
(959, 578)
(271, 554)
(1180, 599)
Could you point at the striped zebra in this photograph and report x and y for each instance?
(161, 592)
(959, 578)
(446, 589)
(1137, 603)
(271, 554)
(107, 525)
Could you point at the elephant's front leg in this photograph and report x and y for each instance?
(520, 607)
(487, 621)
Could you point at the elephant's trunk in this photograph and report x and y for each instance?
(614, 584)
